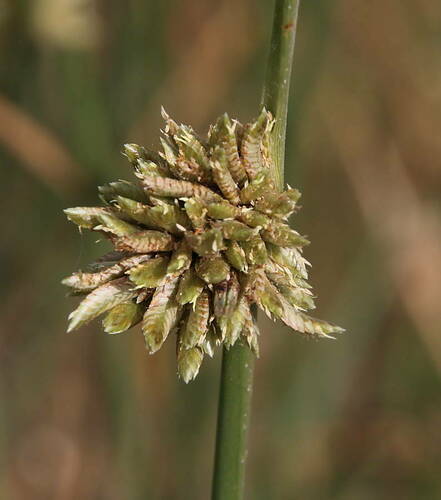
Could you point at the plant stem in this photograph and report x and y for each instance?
(278, 77)
(238, 361)
(232, 424)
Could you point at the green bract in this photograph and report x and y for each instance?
(199, 237)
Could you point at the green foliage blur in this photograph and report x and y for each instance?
(91, 416)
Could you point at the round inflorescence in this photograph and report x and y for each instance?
(198, 239)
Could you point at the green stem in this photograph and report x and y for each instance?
(232, 424)
(237, 364)
(278, 77)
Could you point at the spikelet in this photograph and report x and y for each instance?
(86, 217)
(290, 259)
(174, 188)
(236, 256)
(280, 205)
(145, 241)
(113, 225)
(180, 259)
(190, 287)
(109, 259)
(256, 188)
(200, 241)
(160, 216)
(186, 156)
(223, 177)
(189, 362)
(212, 269)
(235, 323)
(211, 341)
(283, 236)
(99, 301)
(195, 326)
(223, 133)
(89, 281)
(226, 295)
(255, 251)
(109, 192)
(295, 295)
(222, 211)
(161, 316)
(206, 243)
(236, 231)
(150, 274)
(303, 323)
(197, 212)
(253, 218)
(122, 317)
(252, 144)
(250, 332)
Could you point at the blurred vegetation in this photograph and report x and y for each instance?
(90, 416)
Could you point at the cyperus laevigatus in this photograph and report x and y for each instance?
(199, 237)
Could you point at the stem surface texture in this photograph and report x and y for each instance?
(232, 426)
(278, 77)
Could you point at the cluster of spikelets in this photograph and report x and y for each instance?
(199, 238)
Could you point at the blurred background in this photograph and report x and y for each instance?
(92, 416)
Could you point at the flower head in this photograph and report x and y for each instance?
(199, 238)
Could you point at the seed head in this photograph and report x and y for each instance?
(199, 237)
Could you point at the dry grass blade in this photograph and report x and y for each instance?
(38, 149)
